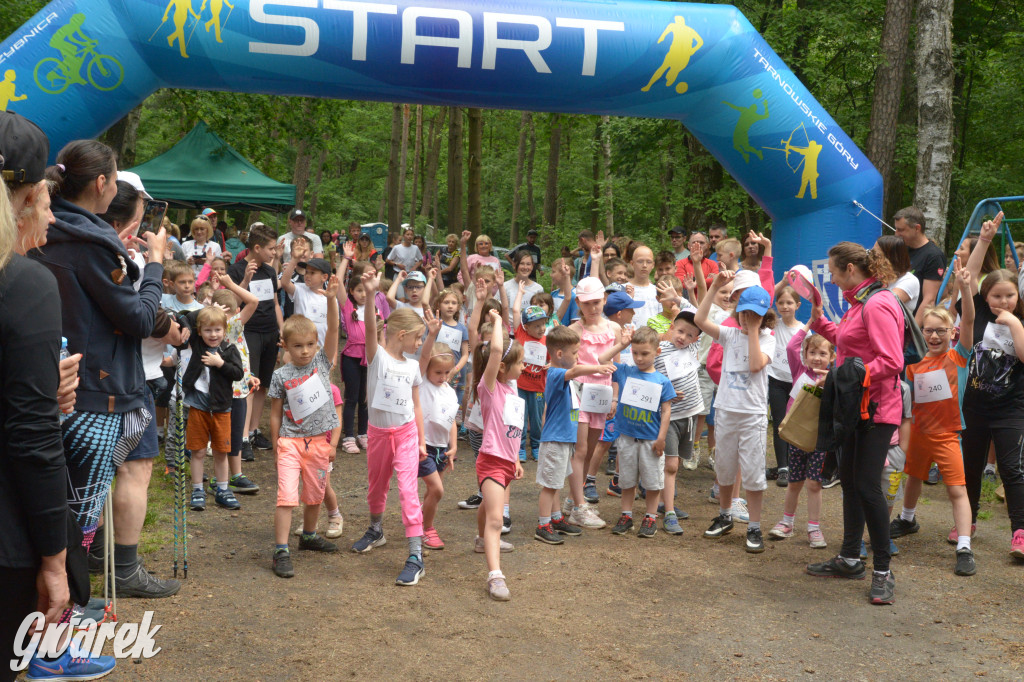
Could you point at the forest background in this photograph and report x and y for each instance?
(929, 90)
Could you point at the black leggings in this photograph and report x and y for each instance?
(778, 396)
(1009, 444)
(353, 373)
(861, 459)
(18, 592)
(239, 422)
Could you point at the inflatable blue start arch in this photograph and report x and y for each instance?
(79, 65)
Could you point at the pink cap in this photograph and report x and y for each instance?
(589, 289)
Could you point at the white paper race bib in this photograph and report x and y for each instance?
(394, 393)
(202, 384)
(596, 398)
(574, 395)
(678, 365)
(451, 337)
(643, 394)
(514, 412)
(931, 387)
(262, 289)
(361, 313)
(535, 353)
(476, 417)
(307, 397)
(998, 336)
(737, 355)
(804, 380)
(442, 412)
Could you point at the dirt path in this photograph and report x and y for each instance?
(599, 605)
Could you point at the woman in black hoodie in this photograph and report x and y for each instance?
(103, 317)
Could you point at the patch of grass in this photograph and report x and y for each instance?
(158, 528)
(988, 492)
(984, 515)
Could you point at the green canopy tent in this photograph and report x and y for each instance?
(204, 170)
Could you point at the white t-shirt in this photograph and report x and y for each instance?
(286, 253)
(312, 306)
(198, 252)
(405, 255)
(739, 390)
(512, 290)
(152, 356)
(908, 283)
(439, 405)
(419, 311)
(389, 383)
(779, 369)
(649, 295)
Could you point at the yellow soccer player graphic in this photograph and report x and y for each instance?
(685, 43)
(8, 93)
(748, 117)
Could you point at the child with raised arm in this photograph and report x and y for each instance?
(742, 403)
(396, 439)
(496, 366)
(642, 422)
(938, 384)
(558, 438)
(303, 418)
(529, 326)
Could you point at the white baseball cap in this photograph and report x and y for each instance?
(135, 181)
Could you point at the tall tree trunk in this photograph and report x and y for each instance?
(474, 217)
(934, 114)
(524, 129)
(403, 163)
(606, 165)
(551, 185)
(122, 136)
(394, 164)
(455, 154)
(885, 108)
(417, 163)
(595, 179)
(666, 187)
(315, 195)
(531, 206)
(301, 174)
(433, 160)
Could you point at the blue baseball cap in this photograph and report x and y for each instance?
(416, 277)
(534, 313)
(619, 301)
(754, 299)
(613, 286)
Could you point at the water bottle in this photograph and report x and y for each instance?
(64, 355)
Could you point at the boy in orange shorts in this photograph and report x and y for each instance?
(215, 363)
(938, 384)
(302, 412)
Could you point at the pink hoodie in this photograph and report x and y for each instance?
(876, 337)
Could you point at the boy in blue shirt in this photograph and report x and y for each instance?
(642, 421)
(558, 438)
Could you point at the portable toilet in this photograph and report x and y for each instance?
(378, 235)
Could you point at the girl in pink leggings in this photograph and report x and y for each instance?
(396, 441)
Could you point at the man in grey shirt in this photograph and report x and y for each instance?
(297, 227)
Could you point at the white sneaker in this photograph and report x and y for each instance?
(334, 526)
(586, 518)
(694, 461)
(739, 512)
(497, 588)
(567, 506)
(711, 459)
(478, 545)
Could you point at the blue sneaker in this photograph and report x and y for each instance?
(522, 455)
(678, 512)
(613, 487)
(864, 550)
(371, 538)
(893, 549)
(198, 501)
(411, 572)
(671, 525)
(590, 492)
(70, 667)
(226, 499)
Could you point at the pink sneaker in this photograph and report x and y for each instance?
(816, 539)
(362, 441)
(952, 537)
(1017, 544)
(781, 531)
(431, 540)
(349, 446)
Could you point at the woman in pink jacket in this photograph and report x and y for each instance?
(872, 330)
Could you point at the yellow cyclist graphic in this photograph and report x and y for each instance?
(685, 43)
(215, 7)
(748, 117)
(54, 75)
(8, 93)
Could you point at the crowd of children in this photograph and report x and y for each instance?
(652, 374)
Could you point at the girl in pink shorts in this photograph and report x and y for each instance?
(496, 365)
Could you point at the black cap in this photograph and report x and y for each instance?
(317, 264)
(296, 214)
(677, 230)
(532, 233)
(23, 149)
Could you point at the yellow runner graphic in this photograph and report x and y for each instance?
(7, 90)
(685, 43)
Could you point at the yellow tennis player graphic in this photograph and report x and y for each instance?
(685, 43)
(748, 117)
(8, 92)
